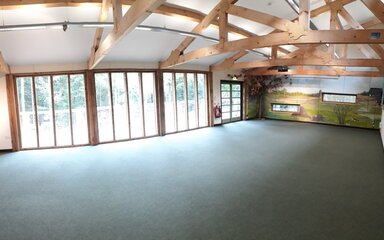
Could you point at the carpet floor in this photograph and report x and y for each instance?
(259, 180)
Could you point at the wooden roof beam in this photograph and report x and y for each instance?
(315, 72)
(223, 23)
(99, 31)
(325, 8)
(132, 18)
(304, 13)
(228, 62)
(260, 17)
(212, 15)
(371, 23)
(284, 38)
(310, 62)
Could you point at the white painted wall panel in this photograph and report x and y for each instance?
(5, 130)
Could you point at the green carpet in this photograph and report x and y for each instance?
(259, 180)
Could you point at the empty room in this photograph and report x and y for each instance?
(187, 120)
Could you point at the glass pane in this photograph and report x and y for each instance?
(26, 112)
(236, 94)
(236, 107)
(225, 101)
(120, 106)
(135, 108)
(79, 109)
(225, 87)
(44, 111)
(235, 87)
(226, 108)
(192, 121)
(202, 100)
(180, 97)
(169, 110)
(104, 109)
(235, 114)
(330, 97)
(62, 114)
(285, 108)
(236, 101)
(226, 115)
(225, 94)
(149, 104)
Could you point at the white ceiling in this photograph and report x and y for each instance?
(73, 46)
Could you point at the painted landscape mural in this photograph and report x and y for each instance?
(302, 99)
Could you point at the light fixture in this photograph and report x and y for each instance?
(21, 28)
(97, 25)
(145, 28)
(66, 24)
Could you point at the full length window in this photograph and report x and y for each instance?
(52, 110)
(185, 101)
(126, 105)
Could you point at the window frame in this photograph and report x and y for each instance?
(50, 76)
(286, 104)
(185, 73)
(338, 94)
(140, 73)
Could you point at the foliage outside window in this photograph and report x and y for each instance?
(52, 110)
(185, 101)
(126, 105)
(339, 98)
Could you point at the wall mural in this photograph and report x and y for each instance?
(347, 101)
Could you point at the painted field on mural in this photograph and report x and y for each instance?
(365, 113)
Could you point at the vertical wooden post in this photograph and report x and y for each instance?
(211, 120)
(332, 26)
(117, 13)
(223, 23)
(304, 14)
(90, 91)
(160, 102)
(13, 113)
(274, 52)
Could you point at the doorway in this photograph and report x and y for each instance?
(231, 101)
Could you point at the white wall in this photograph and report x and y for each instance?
(5, 131)
(217, 77)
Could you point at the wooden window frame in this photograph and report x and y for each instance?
(338, 94)
(33, 84)
(91, 108)
(196, 100)
(285, 104)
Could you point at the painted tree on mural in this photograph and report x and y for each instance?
(258, 86)
(341, 111)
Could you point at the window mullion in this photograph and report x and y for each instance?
(175, 102)
(112, 108)
(128, 108)
(35, 109)
(186, 101)
(196, 94)
(53, 112)
(142, 101)
(70, 108)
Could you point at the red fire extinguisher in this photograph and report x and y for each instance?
(217, 111)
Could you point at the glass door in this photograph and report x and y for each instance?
(231, 101)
